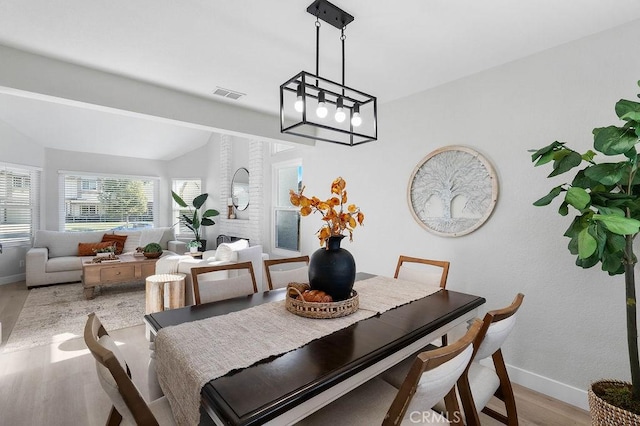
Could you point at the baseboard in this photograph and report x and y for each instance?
(12, 279)
(553, 388)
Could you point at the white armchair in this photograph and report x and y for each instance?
(226, 253)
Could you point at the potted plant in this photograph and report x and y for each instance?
(195, 219)
(605, 197)
(152, 250)
(194, 246)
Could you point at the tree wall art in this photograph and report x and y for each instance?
(452, 191)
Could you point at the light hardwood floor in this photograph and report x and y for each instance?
(57, 384)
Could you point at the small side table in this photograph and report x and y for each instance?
(164, 291)
(195, 254)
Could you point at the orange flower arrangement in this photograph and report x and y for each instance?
(337, 220)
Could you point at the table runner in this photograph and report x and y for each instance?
(191, 354)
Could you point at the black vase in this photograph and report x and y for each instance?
(332, 270)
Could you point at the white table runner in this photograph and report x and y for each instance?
(191, 354)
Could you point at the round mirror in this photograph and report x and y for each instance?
(240, 189)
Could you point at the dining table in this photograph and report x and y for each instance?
(284, 388)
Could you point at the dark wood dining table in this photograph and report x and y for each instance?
(283, 389)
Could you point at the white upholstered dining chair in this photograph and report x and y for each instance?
(213, 283)
(280, 272)
(428, 271)
(480, 383)
(129, 407)
(422, 270)
(432, 377)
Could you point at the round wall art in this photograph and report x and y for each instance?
(452, 191)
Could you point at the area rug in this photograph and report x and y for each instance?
(58, 313)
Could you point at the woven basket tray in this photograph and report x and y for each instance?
(296, 305)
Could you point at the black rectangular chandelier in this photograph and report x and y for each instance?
(317, 108)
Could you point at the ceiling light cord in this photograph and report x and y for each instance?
(317, 49)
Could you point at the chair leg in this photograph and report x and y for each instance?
(505, 389)
(494, 414)
(114, 417)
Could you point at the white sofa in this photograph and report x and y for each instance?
(54, 256)
(236, 252)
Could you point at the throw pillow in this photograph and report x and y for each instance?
(87, 249)
(133, 241)
(238, 245)
(225, 253)
(118, 240)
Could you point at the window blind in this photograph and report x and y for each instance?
(187, 189)
(19, 203)
(92, 202)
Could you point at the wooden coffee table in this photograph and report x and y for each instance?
(129, 268)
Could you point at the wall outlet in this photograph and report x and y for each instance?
(22, 263)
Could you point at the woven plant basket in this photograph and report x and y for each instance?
(605, 414)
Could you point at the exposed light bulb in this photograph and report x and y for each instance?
(340, 114)
(321, 110)
(356, 120)
(299, 105)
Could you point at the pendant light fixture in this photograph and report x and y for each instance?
(318, 108)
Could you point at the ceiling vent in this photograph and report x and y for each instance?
(226, 93)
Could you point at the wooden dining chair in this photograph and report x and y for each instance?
(425, 271)
(213, 283)
(115, 377)
(279, 278)
(432, 377)
(480, 383)
(430, 271)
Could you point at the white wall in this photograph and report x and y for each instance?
(572, 326)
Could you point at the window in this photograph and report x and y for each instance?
(187, 189)
(19, 203)
(286, 217)
(99, 202)
(89, 185)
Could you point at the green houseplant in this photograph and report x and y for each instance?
(605, 197)
(196, 219)
(152, 250)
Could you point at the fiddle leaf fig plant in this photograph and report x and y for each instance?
(604, 197)
(195, 220)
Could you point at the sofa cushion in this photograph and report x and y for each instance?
(64, 243)
(64, 264)
(160, 235)
(89, 249)
(132, 242)
(119, 241)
